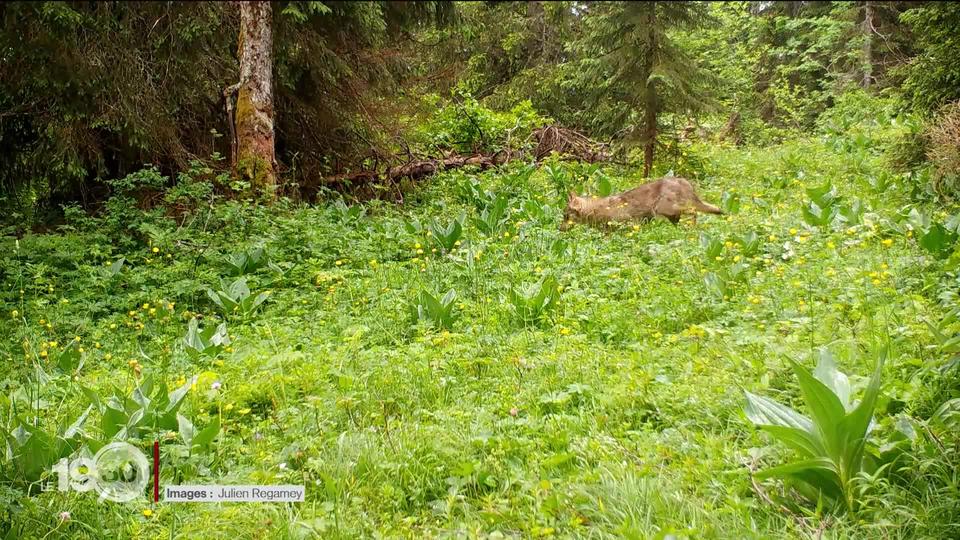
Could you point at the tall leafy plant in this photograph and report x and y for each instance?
(493, 216)
(208, 341)
(830, 442)
(447, 235)
(533, 302)
(437, 311)
(246, 262)
(235, 298)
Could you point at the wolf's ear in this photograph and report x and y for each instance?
(571, 197)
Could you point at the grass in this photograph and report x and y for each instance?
(617, 414)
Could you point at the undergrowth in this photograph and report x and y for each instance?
(457, 366)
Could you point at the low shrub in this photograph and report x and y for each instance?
(944, 151)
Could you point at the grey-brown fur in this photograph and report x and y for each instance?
(669, 197)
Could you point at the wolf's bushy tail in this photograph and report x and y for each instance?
(706, 208)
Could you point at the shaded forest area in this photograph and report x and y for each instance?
(94, 91)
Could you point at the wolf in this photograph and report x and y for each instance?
(668, 197)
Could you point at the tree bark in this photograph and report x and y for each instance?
(731, 131)
(537, 33)
(255, 159)
(867, 29)
(650, 101)
(649, 130)
(228, 95)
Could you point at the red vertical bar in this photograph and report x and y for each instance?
(156, 471)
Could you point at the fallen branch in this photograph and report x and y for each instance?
(568, 142)
(549, 139)
(417, 169)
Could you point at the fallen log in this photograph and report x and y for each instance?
(415, 170)
(549, 139)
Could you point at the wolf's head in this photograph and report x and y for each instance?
(573, 211)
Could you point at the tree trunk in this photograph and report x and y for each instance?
(649, 129)
(867, 29)
(255, 160)
(537, 33)
(650, 102)
(731, 131)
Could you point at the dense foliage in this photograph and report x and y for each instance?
(454, 364)
(91, 91)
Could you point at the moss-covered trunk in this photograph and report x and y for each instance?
(254, 116)
(868, 30)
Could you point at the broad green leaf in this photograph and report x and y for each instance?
(215, 297)
(826, 372)
(767, 412)
(749, 242)
(192, 339)
(729, 202)
(715, 284)
(604, 187)
(115, 267)
(558, 459)
(159, 401)
(37, 452)
(261, 298)
(140, 396)
(186, 429)
(826, 410)
(175, 398)
(136, 419)
(802, 441)
(92, 396)
(69, 359)
(823, 195)
(938, 241)
(819, 473)
(855, 426)
(111, 421)
(947, 414)
(75, 427)
(205, 436)
(819, 464)
(449, 297)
